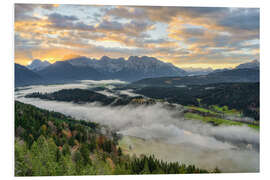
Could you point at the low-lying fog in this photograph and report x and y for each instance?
(161, 131)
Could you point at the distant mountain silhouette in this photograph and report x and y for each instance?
(147, 69)
(204, 71)
(234, 75)
(63, 71)
(37, 65)
(24, 76)
(250, 65)
(132, 69)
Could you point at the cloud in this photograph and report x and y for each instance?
(126, 12)
(199, 35)
(132, 29)
(193, 31)
(164, 14)
(67, 22)
(110, 25)
(58, 18)
(102, 82)
(49, 6)
(245, 19)
(24, 11)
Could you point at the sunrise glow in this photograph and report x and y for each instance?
(186, 37)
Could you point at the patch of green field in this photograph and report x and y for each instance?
(225, 110)
(218, 121)
(202, 110)
(213, 120)
(216, 110)
(257, 127)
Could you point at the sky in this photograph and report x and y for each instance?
(198, 37)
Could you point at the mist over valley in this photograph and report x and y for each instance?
(160, 127)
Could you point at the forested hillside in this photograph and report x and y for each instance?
(87, 96)
(226, 76)
(74, 95)
(241, 96)
(49, 143)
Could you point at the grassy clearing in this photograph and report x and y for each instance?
(225, 110)
(216, 110)
(257, 127)
(204, 110)
(218, 121)
(214, 120)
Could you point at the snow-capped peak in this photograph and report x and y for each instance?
(37, 65)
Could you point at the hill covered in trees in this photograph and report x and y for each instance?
(88, 96)
(74, 95)
(49, 143)
(243, 97)
(240, 96)
(226, 76)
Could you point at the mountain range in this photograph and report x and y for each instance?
(225, 76)
(131, 69)
(82, 68)
(204, 71)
